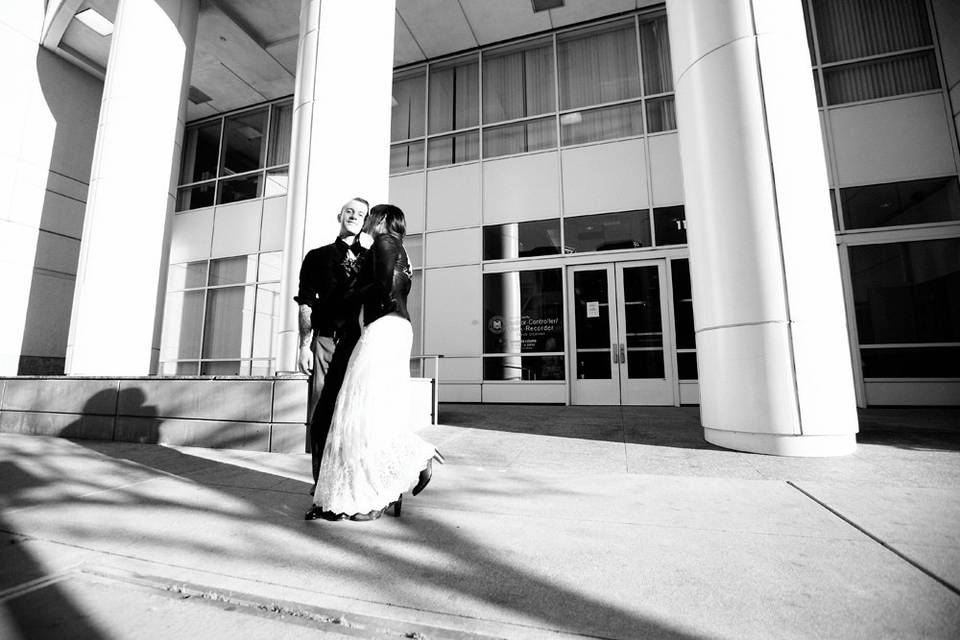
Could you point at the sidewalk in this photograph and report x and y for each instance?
(546, 522)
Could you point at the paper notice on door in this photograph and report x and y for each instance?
(593, 309)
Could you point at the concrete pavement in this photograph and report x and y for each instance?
(546, 522)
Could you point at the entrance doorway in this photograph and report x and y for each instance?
(621, 341)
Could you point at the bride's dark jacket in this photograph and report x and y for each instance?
(383, 283)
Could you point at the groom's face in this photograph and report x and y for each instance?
(351, 218)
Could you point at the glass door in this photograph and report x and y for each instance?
(621, 342)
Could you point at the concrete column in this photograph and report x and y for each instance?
(341, 133)
(772, 344)
(132, 188)
(24, 165)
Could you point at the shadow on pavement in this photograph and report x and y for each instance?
(223, 522)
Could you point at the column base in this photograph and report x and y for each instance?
(819, 446)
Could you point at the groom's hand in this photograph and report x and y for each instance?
(305, 361)
(365, 239)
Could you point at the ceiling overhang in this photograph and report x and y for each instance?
(246, 50)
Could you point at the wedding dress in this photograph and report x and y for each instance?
(372, 454)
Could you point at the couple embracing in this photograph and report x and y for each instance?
(365, 453)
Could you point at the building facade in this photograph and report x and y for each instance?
(750, 205)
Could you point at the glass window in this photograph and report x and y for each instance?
(220, 368)
(189, 275)
(267, 317)
(907, 292)
(520, 137)
(911, 362)
(281, 134)
(238, 270)
(270, 265)
(860, 28)
(406, 156)
(243, 148)
(682, 304)
(409, 105)
(607, 231)
(661, 114)
(454, 95)
(881, 78)
(598, 65)
(228, 323)
(621, 121)
(521, 239)
(655, 51)
(276, 183)
(414, 302)
(518, 81)
(201, 144)
(183, 319)
(242, 188)
(901, 203)
(461, 147)
(523, 312)
(196, 197)
(670, 223)
(516, 368)
(413, 243)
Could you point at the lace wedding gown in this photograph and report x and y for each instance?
(372, 454)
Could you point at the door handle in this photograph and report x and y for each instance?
(613, 349)
(623, 354)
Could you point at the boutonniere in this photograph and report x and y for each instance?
(350, 266)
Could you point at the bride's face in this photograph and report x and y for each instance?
(374, 226)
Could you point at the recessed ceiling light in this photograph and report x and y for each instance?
(93, 19)
(543, 5)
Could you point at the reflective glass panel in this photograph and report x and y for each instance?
(243, 142)
(276, 182)
(682, 304)
(520, 137)
(187, 275)
(523, 311)
(182, 322)
(454, 95)
(907, 292)
(405, 157)
(873, 79)
(655, 50)
(518, 81)
(644, 322)
(621, 121)
(228, 325)
(237, 270)
(591, 299)
(201, 144)
(523, 368)
(661, 115)
(462, 147)
(186, 368)
(242, 188)
(281, 133)
(911, 362)
(598, 65)
(901, 203)
(409, 104)
(267, 315)
(607, 231)
(670, 223)
(413, 243)
(195, 197)
(270, 265)
(860, 28)
(414, 302)
(228, 368)
(521, 239)
(687, 365)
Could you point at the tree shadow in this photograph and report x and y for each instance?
(27, 604)
(260, 515)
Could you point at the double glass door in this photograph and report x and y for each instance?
(622, 345)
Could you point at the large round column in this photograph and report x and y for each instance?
(132, 188)
(341, 133)
(772, 344)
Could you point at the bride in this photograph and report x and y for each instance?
(372, 456)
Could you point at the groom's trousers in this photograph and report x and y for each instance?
(330, 359)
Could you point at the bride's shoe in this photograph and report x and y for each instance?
(364, 517)
(425, 475)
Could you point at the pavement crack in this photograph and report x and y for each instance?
(878, 540)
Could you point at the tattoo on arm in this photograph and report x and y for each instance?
(305, 327)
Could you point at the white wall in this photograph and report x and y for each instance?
(51, 113)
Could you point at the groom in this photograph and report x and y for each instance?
(329, 326)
